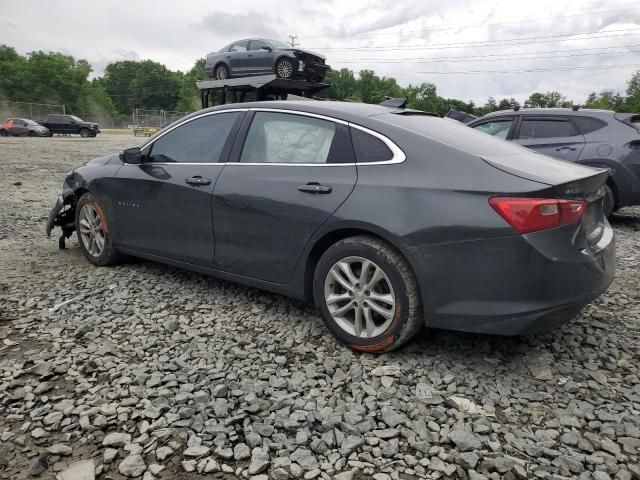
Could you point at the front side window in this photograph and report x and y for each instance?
(496, 128)
(239, 46)
(546, 128)
(258, 44)
(288, 138)
(198, 141)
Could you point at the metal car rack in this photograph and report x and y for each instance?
(260, 87)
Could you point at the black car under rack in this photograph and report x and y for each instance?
(257, 88)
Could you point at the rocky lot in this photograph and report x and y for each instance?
(149, 371)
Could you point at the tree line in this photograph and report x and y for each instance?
(52, 77)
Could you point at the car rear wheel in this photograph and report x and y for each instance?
(367, 294)
(93, 232)
(4, 133)
(609, 201)
(85, 133)
(222, 72)
(284, 68)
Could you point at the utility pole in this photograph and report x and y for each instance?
(292, 41)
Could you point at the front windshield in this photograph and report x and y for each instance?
(278, 44)
(77, 119)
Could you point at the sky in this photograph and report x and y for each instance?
(470, 49)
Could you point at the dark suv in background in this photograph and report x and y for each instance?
(69, 124)
(598, 138)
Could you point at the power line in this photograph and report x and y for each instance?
(492, 43)
(481, 25)
(463, 59)
(531, 70)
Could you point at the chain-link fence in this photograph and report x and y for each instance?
(34, 111)
(147, 122)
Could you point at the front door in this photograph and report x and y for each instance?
(260, 59)
(291, 175)
(555, 136)
(163, 205)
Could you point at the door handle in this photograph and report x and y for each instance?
(198, 181)
(314, 188)
(565, 148)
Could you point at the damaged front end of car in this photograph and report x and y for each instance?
(311, 65)
(63, 213)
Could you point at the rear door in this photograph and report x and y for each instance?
(288, 174)
(552, 135)
(19, 127)
(238, 59)
(163, 205)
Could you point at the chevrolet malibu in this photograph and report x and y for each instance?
(387, 219)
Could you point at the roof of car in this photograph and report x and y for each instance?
(340, 110)
(551, 111)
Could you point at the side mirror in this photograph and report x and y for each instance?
(267, 48)
(131, 155)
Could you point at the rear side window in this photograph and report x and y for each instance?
(368, 148)
(288, 138)
(546, 128)
(198, 141)
(496, 128)
(587, 124)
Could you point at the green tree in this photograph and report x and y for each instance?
(141, 84)
(633, 94)
(344, 85)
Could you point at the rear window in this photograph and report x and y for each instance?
(454, 134)
(531, 128)
(368, 148)
(587, 124)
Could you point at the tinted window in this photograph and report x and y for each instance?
(258, 44)
(287, 138)
(198, 141)
(587, 124)
(239, 46)
(546, 128)
(496, 128)
(369, 148)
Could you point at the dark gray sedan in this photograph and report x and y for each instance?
(22, 127)
(257, 56)
(387, 219)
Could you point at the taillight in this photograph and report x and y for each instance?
(528, 215)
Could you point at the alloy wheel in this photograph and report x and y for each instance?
(91, 230)
(285, 69)
(359, 297)
(221, 73)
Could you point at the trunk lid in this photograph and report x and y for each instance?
(568, 181)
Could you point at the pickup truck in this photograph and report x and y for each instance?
(69, 124)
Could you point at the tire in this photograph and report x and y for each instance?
(609, 201)
(85, 133)
(221, 72)
(91, 222)
(31, 133)
(397, 285)
(284, 68)
(4, 133)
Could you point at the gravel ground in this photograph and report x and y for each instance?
(162, 373)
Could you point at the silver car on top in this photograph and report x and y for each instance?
(258, 56)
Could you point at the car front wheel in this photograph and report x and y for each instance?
(85, 133)
(93, 232)
(367, 294)
(284, 68)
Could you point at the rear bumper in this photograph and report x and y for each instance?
(514, 285)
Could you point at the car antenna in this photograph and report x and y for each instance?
(400, 102)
